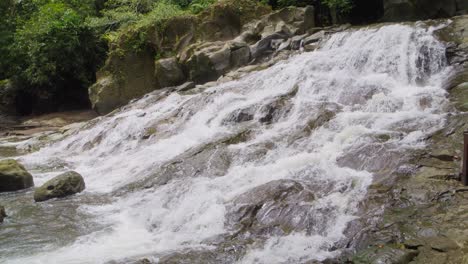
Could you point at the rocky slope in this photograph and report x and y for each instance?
(197, 49)
(418, 213)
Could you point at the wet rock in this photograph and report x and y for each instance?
(442, 244)
(310, 47)
(385, 254)
(149, 131)
(207, 62)
(185, 87)
(168, 72)
(264, 45)
(192, 163)
(2, 213)
(13, 176)
(275, 208)
(460, 96)
(62, 185)
(314, 38)
(240, 55)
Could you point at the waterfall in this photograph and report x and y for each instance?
(169, 173)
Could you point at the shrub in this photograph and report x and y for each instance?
(56, 53)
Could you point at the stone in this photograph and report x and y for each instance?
(240, 55)
(168, 72)
(220, 60)
(104, 94)
(297, 42)
(309, 18)
(185, 87)
(310, 47)
(278, 207)
(385, 254)
(60, 186)
(201, 69)
(2, 213)
(264, 45)
(122, 79)
(442, 244)
(314, 38)
(13, 176)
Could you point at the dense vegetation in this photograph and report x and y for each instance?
(51, 49)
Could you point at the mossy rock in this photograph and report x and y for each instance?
(122, 79)
(385, 254)
(13, 176)
(63, 185)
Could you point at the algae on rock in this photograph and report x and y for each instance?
(63, 185)
(13, 176)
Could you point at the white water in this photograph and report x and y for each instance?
(377, 81)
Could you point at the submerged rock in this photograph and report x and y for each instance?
(278, 207)
(2, 213)
(13, 176)
(63, 185)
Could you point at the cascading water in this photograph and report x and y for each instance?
(269, 168)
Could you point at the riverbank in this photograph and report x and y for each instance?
(31, 125)
(418, 213)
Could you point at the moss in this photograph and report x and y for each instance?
(13, 176)
(238, 138)
(63, 185)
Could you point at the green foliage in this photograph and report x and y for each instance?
(55, 45)
(343, 6)
(52, 45)
(197, 6)
(162, 10)
(7, 24)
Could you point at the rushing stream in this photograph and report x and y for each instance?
(269, 168)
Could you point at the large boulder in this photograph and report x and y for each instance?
(404, 10)
(62, 185)
(169, 73)
(13, 176)
(125, 77)
(278, 207)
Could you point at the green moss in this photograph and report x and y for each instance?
(13, 176)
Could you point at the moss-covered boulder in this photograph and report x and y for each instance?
(62, 185)
(13, 176)
(125, 77)
(2, 213)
